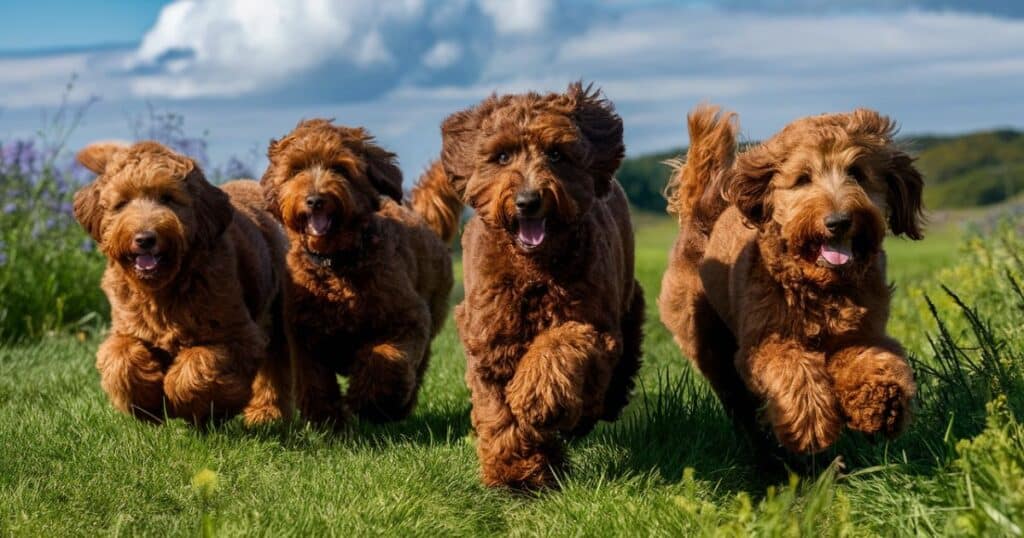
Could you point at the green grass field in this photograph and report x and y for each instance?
(71, 465)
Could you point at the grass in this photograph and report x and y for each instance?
(70, 465)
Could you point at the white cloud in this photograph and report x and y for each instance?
(518, 16)
(443, 54)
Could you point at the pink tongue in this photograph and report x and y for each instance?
(319, 223)
(146, 262)
(531, 231)
(835, 255)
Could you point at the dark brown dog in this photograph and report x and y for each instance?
(777, 290)
(194, 278)
(370, 277)
(552, 318)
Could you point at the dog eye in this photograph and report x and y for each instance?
(554, 155)
(120, 205)
(166, 199)
(503, 158)
(803, 179)
(856, 173)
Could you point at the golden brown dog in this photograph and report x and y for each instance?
(369, 277)
(552, 318)
(777, 289)
(194, 278)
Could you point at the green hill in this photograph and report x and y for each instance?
(968, 170)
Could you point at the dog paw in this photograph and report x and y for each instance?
(543, 407)
(806, 429)
(877, 407)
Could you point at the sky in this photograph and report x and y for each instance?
(242, 72)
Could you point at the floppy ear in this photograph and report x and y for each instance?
(384, 175)
(749, 184)
(211, 205)
(906, 214)
(596, 118)
(88, 210)
(96, 156)
(458, 147)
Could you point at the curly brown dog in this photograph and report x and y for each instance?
(777, 291)
(194, 278)
(552, 318)
(370, 277)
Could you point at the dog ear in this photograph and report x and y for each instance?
(458, 147)
(384, 175)
(601, 125)
(88, 209)
(749, 184)
(95, 156)
(906, 214)
(212, 207)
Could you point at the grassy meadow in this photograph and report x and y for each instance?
(71, 465)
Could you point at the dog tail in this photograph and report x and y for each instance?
(694, 191)
(434, 198)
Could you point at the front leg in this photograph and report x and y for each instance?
(385, 375)
(211, 381)
(132, 375)
(562, 378)
(800, 402)
(511, 454)
(875, 386)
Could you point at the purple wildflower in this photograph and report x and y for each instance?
(10, 207)
(3, 255)
(88, 245)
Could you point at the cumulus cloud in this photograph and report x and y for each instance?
(202, 48)
(251, 68)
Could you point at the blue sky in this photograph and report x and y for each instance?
(245, 71)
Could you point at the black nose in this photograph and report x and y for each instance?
(528, 202)
(145, 240)
(315, 201)
(838, 223)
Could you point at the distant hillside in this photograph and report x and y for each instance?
(960, 171)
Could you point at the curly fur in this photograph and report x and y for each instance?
(551, 332)
(750, 296)
(369, 289)
(201, 335)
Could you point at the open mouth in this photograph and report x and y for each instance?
(146, 263)
(835, 254)
(319, 224)
(531, 232)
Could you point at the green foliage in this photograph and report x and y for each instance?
(49, 267)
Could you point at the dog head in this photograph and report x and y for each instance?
(149, 208)
(830, 185)
(533, 164)
(325, 181)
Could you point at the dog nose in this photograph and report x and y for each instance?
(315, 201)
(145, 240)
(528, 202)
(838, 223)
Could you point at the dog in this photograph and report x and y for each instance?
(194, 277)
(776, 285)
(369, 276)
(552, 317)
